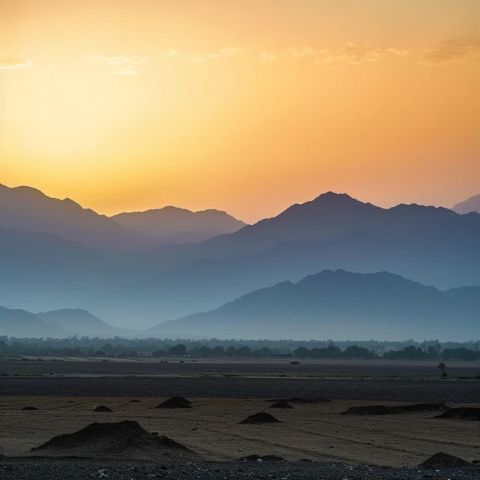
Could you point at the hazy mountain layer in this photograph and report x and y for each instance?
(340, 305)
(178, 225)
(81, 323)
(60, 323)
(470, 205)
(436, 246)
(28, 209)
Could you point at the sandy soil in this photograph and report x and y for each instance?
(315, 431)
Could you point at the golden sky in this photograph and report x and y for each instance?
(243, 105)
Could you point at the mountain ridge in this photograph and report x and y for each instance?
(335, 304)
(179, 225)
(469, 205)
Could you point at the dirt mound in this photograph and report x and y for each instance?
(134, 400)
(367, 410)
(29, 408)
(419, 407)
(126, 440)
(102, 408)
(281, 404)
(259, 458)
(443, 460)
(396, 409)
(258, 418)
(175, 402)
(462, 413)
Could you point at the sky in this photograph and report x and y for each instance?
(242, 105)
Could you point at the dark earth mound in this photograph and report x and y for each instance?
(367, 410)
(176, 402)
(420, 407)
(281, 404)
(102, 408)
(462, 413)
(443, 460)
(396, 409)
(134, 400)
(29, 408)
(258, 418)
(125, 440)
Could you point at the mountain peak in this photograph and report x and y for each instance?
(470, 205)
(334, 196)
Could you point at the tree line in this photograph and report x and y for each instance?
(214, 348)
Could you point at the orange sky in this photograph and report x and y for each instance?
(246, 105)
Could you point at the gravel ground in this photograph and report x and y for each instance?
(71, 469)
(385, 390)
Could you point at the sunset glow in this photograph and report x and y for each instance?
(246, 106)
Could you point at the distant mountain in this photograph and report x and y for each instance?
(57, 324)
(432, 245)
(19, 323)
(470, 205)
(82, 323)
(435, 246)
(28, 209)
(340, 305)
(178, 225)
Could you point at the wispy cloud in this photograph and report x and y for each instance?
(354, 54)
(222, 53)
(450, 50)
(124, 65)
(303, 51)
(14, 63)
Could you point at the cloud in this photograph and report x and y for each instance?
(222, 53)
(124, 65)
(14, 63)
(450, 50)
(303, 51)
(354, 54)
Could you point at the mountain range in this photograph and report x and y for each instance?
(178, 225)
(335, 305)
(56, 324)
(339, 305)
(122, 270)
(472, 204)
(28, 209)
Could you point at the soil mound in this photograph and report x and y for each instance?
(281, 404)
(420, 407)
(367, 410)
(462, 413)
(29, 408)
(258, 418)
(126, 440)
(396, 410)
(102, 408)
(175, 402)
(443, 460)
